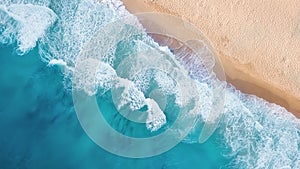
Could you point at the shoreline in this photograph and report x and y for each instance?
(243, 76)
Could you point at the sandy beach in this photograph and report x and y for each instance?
(257, 42)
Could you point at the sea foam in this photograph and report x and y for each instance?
(29, 24)
(255, 133)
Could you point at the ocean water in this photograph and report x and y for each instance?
(41, 45)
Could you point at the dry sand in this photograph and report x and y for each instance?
(257, 41)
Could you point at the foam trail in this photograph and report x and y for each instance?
(256, 134)
(31, 24)
(57, 62)
(156, 118)
(259, 133)
(129, 94)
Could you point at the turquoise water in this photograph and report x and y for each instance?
(39, 126)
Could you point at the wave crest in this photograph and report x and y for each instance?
(25, 23)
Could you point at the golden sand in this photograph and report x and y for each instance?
(257, 41)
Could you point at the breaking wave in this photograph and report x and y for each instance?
(255, 133)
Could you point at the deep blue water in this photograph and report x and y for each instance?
(39, 127)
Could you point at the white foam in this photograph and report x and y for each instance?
(164, 48)
(57, 62)
(129, 95)
(205, 100)
(165, 82)
(117, 5)
(156, 118)
(33, 20)
(78, 22)
(259, 134)
(125, 93)
(142, 80)
(91, 74)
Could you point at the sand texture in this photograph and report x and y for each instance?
(257, 41)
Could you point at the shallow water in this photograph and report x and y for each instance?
(39, 126)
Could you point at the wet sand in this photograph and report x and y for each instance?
(258, 43)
